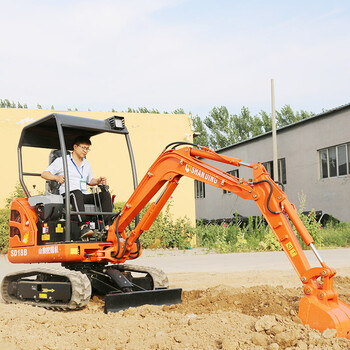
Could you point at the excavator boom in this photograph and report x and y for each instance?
(320, 308)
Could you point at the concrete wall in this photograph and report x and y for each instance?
(149, 134)
(299, 145)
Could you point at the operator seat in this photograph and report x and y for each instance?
(52, 186)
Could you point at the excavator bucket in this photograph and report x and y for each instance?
(322, 314)
(321, 308)
(115, 302)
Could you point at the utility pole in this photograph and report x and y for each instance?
(274, 133)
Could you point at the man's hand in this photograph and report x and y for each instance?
(60, 179)
(99, 181)
(48, 176)
(102, 180)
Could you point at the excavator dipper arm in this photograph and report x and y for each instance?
(320, 307)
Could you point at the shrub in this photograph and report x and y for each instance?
(270, 242)
(313, 227)
(4, 218)
(258, 236)
(165, 232)
(310, 223)
(336, 235)
(4, 230)
(18, 192)
(219, 237)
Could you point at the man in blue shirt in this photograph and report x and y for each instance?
(80, 175)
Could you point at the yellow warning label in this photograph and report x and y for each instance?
(74, 251)
(293, 253)
(45, 237)
(59, 228)
(291, 249)
(42, 296)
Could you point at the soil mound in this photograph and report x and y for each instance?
(222, 317)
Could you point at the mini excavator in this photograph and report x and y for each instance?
(42, 231)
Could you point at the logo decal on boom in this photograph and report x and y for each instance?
(193, 170)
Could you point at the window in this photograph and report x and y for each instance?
(324, 163)
(282, 175)
(269, 167)
(348, 149)
(282, 172)
(332, 153)
(334, 161)
(342, 169)
(233, 173)
(199, 189)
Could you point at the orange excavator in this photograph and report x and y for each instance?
(42, 231)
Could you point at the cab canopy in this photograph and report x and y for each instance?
(55, 129)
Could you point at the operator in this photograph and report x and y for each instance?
(80, 175)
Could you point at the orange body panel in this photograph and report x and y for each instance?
(23, 247)
(22, 225)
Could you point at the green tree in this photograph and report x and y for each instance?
(245, 125)
(7, 104)
(220, 128)
(266, 121)
(151, 110)
(177, 111)
(202, 136)
(143, 110)
(286, 116)
(224, 129)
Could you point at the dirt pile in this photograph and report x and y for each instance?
(260, 317)
(253, 301)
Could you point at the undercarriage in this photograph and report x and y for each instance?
(71, 286)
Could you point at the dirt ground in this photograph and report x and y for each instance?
(257, 316)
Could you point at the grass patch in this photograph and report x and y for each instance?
(338, 235)
(257, 236)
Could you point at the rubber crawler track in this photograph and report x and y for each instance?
(81, 288)
(160, 279)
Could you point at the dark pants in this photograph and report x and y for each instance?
(78, 199)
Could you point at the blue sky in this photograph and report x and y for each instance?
(167, 54)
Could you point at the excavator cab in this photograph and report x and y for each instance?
(57, 132)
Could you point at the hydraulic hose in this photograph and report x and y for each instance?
(118, 235)
(132, 255)
(179, 143)
(269, 196)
